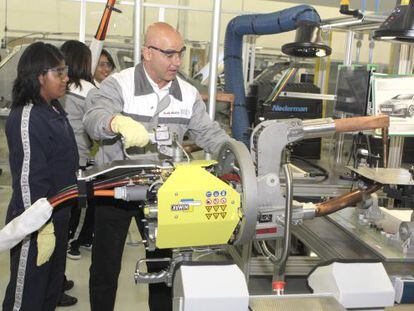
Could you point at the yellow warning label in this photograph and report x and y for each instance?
(208, 208)
(216, 215)
(208, 216)
(223, 207)
(216, 207)
(223, 214)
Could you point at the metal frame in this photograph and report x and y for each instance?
(308, 95)
(82, 21)
(214, 51)
(137, 30)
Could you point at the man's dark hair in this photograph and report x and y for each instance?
(79, 59)
(35, 60)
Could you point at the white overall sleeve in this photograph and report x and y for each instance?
(26, 223)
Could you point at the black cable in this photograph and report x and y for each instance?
(351, 153)
(368, 144)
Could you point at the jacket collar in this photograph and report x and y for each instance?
(143, 86)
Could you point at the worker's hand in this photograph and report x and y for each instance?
(45, 243)
(133, 132)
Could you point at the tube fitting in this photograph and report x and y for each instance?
(131, 193)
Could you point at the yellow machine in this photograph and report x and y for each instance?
(195, 208)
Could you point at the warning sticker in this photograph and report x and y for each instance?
(208, 208)
(216, 207)
(223, 207)
(216, 215)
(208, 216)
(223, 214)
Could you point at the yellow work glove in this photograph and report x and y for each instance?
(46, 242)
(134, 133)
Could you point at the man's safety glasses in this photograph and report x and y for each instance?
(62, 72)
(169, 53)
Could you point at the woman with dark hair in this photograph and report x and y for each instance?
(78, 57)
(104, 68)
(43, 160)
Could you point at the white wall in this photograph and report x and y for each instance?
(63, 16)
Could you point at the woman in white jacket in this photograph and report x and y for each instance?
(78, 58)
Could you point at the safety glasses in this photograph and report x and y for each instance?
(169, 53)
(62, 72)
(106, 65)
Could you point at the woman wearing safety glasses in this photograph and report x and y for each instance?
(43, 160)
(104, 68)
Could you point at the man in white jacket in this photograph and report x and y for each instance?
(129, 104)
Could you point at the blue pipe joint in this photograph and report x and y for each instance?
(254, 24)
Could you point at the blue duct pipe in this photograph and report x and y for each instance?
(257, 24)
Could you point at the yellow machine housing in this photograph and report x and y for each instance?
(195, 208)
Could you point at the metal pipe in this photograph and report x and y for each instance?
(212, 87)
(346, 22)
(385, 146)
(280, 263)
(358, 51)
(137, 31)
(318, 127)
(214, 51)
(343, 201)
(161, 15)
(82, 21)
(288, 219)
(371, 50)
(349, 21)
(339, 145)
(349, 48)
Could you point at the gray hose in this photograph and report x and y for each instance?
(151, 277)
(280, 263)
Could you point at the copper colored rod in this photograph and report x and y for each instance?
(361, 123)
(343, 201)
(385, 145)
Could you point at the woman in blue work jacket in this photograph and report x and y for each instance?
(43, 159)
